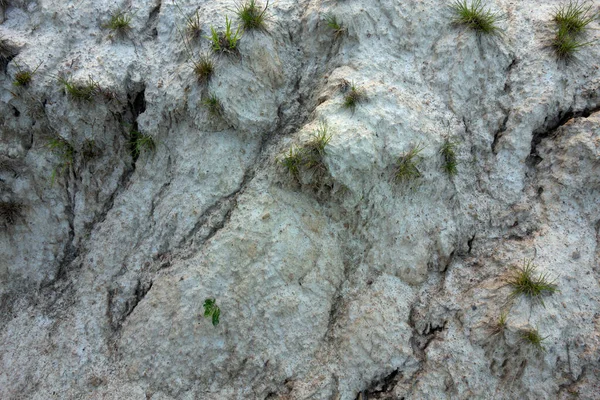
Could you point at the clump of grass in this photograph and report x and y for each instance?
(498, 326)
(192, 25)
(476, 17)
(225, 42)
(81, 91)
(354, 96)
(119, 23)
(572, 19)
(212, 311)
(448, 152)
(10, 213)
(251, 16)
(203, 67)
(407, 166)
(139, 142)
(292, 161)
(337, 28)
(65, 152)
(526, 282)
(308, 157)
(23, 77)
(213, 105)
(533, 337)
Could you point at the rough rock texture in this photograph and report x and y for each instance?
(349, 286)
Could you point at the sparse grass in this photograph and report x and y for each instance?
(140, 142)
(81, 91)
(574, 17)
(225, 42)
(119, 23)
(23, 77)
(192, 25)
(498, 326)
(533, 337)
(203, 67)
(448, 152)
(407, 166)
(212, 311)
(354, 96)
(292, 161)
(10, 213)
(526, 282)
(476, 17)
(213, 105)
(337, 28)
(65, 152)
(251, 16)
(308, 157)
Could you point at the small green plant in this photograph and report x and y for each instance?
(225, 42)
(314, 150)
(203, 67)
(337, 28)
(213, 105)
(498, 326)
(140, 142)
(119, 23)
(354, 96)
(81, 91)
(192, 25)
(10, 213)
(574, 17)
(251, 16)
(407, 165)
(65, 152)
(448, 152)
(212, 311)
(475, 17)
(292, 161)
(525, 282)
(23, 77)
(533, 337)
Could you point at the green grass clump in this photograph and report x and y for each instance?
(475, 17)
(572, 19)
(203, 67)
(292, 161)
(139, 142)
(10, 213)
(448, 152)
(213, 105)
(337, 28)
(498, 326)
(524, 281)
(119, 23)
(251, 16)
(23, 77)
(407, 166)
(81, 91)
(212, 311)
(192, 25)
(65, 152)
(309, 157)
(354, 96)
(225, 42)
(533, 337)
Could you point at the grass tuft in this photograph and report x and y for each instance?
(212, 311)
(81, 91)
(204, 67)
(407, 165)
(225, 42)
(448, 152)
(474, 16)
(354, 96)
(10, 213)
(292, 161)
(337, 28)
(119, 23)
(524, 281)
(192, 25)
(574, 17)
(23, 77)
(309, 157)
(251, 16)
(65, 152)
(213, 105)
(533, 337)
(498, 326)
(139, 142)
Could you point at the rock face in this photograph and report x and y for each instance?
(336, 282)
